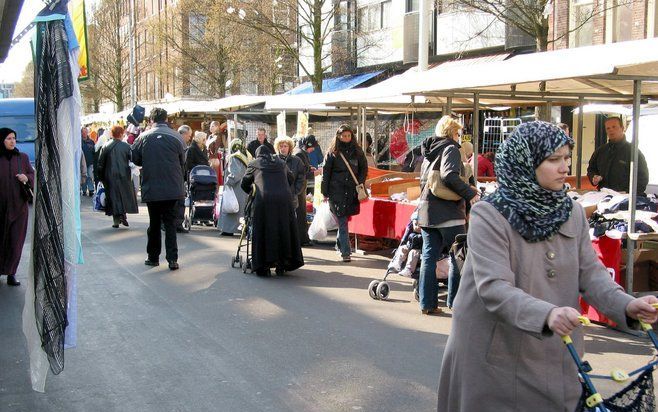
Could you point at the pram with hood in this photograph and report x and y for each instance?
(200, 200)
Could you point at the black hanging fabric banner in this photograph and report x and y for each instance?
(53, 83)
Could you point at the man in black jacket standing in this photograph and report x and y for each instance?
(610, 164)
(261, 139)
(160, 152)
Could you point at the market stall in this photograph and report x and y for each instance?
(611, 73)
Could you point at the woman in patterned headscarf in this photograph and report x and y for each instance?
(529, 259)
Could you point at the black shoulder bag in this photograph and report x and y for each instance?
(26, 190)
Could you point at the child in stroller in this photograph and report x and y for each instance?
(406, 262)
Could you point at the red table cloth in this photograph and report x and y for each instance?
(382, 218)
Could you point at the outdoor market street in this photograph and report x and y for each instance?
(209, 338)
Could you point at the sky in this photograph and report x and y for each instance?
(20, 55)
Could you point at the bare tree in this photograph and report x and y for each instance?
(297, 25)
(212, 54)
(108, 50)
(25, 88)
(530, 16)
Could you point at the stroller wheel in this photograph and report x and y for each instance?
(383, 290)
(372, 289)
(234, 260)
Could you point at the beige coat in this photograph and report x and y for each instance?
(500, 355)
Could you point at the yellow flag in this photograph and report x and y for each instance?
(79, 20)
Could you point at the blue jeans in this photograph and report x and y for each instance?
(342, 238)
(435, 242)
(87, 184)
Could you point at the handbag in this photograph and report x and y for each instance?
(436, 185)
(361, 192)
(26, 190)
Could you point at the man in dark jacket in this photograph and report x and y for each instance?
(87, 184)
(261, 139)
(610, 164)
(160, 152)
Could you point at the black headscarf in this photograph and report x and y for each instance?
(533, 211)
(4, 132)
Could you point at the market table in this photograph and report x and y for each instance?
(382, 218)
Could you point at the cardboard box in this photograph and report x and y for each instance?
(645, 276)
(640, 255)
(413, 193)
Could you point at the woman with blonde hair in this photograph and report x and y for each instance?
(283, 146)
(197, 154)
(440, 220)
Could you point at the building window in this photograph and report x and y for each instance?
(622, 17)
(582, 23)
(412, 5)
(197, 27)
(374, 17)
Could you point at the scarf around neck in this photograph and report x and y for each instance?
(533, 211)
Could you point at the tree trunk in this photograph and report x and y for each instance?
(316, 79)
(541, 112)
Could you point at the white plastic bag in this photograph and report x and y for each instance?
(323, 222)
(229, 201)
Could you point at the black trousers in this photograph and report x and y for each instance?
(302, 226)
(162, 213)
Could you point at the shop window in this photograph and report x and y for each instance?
(581, 23)
(412, 5)
(622, 18)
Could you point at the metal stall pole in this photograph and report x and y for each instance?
(364, 143)
(579, 144)
(549, 109)
(375, 137)
(449, 105)
(630, 243)
(476, 132)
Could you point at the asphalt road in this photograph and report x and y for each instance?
(210, 338)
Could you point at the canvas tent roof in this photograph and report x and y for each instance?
(601, 73)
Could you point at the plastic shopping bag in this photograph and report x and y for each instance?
(323, 222)
(99, 198)
(229, 201)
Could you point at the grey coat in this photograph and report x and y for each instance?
(229, 222)
(500, 355)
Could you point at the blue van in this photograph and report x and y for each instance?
(18, 114)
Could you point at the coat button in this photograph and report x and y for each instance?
(551, 273)
(550, 255)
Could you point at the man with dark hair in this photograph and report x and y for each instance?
(261, 139)
(160, 152)
(87, 183)
(610, 164)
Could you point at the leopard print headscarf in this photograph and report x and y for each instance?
(536, 213)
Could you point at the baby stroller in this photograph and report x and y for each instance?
(406, 262)
(200, 200)
(242, 256)
(637, 396)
